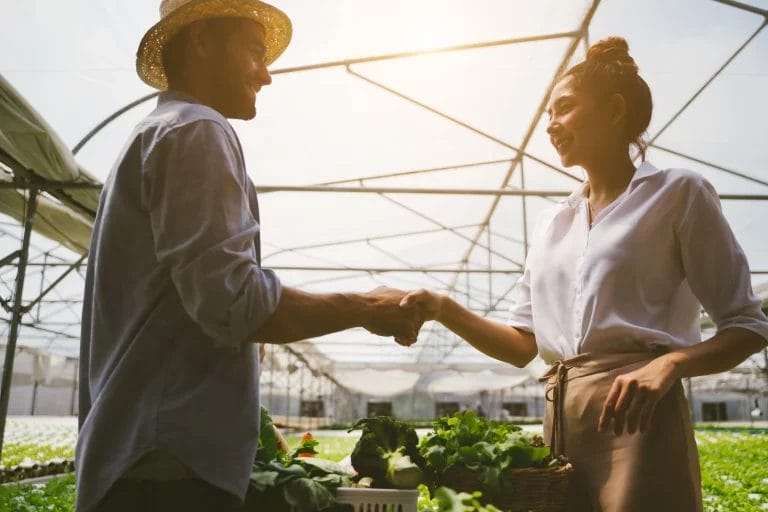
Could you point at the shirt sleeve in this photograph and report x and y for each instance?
(194, 189)
(521, 312)
(716, 266)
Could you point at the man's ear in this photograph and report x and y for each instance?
(617, 109)
(199, 41)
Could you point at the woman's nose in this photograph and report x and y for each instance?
(552, 127)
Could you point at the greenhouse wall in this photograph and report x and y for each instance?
(736, 407)
(47, 401)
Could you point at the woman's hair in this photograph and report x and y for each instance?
(609, 69)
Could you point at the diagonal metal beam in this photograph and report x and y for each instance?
(744, 7)
(710, 164)
(524, 212)
(338, 63)
(461, 123)
(391, 278)
(381, 270)
(421, 269)
(508, 238)
(418, 53)
(364, 179)
(709, 81)
(367, 239)
(583, 28)
(42, 295)
(437, 223)
(335, 278)
(439, 113)
(8, 259)
(406, 190)
(535, 121)
(37, 327)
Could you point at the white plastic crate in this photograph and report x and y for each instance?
(378, 500)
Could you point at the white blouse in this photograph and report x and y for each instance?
(652, 258)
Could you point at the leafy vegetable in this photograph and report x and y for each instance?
(295, 487)
(486, 447)
(283, 483)
(58, 495)
(403, 473)
(387, 451)
(448, 500)
(267, 449)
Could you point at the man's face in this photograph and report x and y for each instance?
(238, 70)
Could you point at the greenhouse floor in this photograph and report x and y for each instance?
(733, 461)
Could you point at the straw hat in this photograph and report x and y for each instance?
(176, 14)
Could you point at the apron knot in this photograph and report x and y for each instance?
(556, 378)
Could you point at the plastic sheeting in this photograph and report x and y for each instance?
(388, 122)
(52, 220)
(41, 367)
(35, 148)
(377, 382)
(471, 383)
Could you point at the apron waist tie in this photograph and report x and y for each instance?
(587, 364)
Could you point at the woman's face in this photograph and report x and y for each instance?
(579, 128)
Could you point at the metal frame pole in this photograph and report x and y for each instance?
(75, 381)
(10, 349)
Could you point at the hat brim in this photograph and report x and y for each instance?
(149, 57)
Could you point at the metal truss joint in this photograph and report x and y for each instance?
(8, 259)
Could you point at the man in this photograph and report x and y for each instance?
(175, 294)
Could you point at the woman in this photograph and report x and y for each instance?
(611, 295)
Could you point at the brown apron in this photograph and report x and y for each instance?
(656, 471)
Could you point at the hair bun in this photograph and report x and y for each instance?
(613, 51)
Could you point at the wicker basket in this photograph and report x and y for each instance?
(522, 490)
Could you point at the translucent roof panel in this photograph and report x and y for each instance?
(399, 96)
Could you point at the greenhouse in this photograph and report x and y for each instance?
(400, 143)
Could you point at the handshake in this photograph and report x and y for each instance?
(400, 314)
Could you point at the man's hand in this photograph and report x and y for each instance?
(387, 318)
(634, 396)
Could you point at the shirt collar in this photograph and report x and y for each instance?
(172, 95)
(645, 170)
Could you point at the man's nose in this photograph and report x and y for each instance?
(265, 78)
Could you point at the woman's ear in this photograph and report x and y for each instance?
(617, 109)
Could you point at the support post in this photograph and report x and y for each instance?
(74, 387)
(10, 349)
(34, 398)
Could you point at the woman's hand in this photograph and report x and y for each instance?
(632, 400)
(429, 302)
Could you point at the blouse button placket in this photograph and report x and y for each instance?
(578, 305)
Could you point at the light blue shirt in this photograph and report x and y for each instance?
(174, 288)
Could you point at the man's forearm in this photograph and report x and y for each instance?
(720, 353)
(301, 315)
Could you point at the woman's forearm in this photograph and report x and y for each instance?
(720, 353)
(494, 339)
